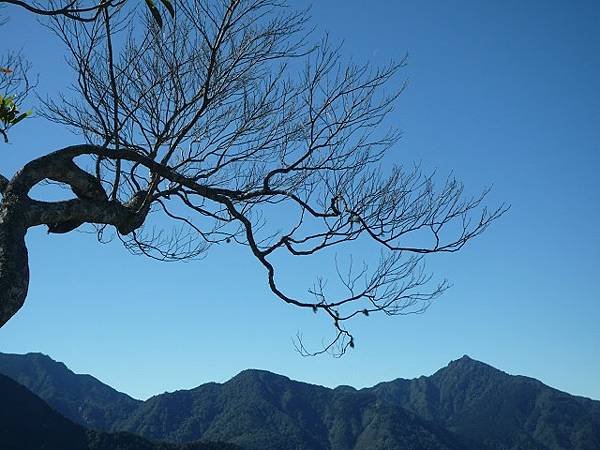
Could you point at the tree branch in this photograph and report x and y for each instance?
(54, 164)
(69, 11)
(126, 218)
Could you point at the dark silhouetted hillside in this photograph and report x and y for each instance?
(28, 423)
(81, 398)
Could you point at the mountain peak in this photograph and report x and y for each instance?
(33, 356)
(33, 360)
(465, 361)
(258, 375)
(466, 366)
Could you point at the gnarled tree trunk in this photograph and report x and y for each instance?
(14, 266)
(18, 213)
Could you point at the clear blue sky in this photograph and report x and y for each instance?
(501, 92)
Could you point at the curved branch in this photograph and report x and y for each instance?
(83, 184)
(261, 257)
(68, 10)
(53, 163)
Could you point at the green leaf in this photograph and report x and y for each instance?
(155, 13)
(19, 118)
(169, 7)
(8, 102)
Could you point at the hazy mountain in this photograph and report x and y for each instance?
(28, 423)
(466, 405)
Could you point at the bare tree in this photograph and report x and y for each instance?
(84, 10)
(214, 124)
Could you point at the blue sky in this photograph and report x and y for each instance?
(503, 93)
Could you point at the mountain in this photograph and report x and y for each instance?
(81, 398)
(466, 405)
(263, 411)
(28, 423)
(477, 401)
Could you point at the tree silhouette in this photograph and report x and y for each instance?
(216, 120)
(84, 10)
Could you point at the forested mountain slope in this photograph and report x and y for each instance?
(466, 405)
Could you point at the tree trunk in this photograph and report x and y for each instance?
(14, 266)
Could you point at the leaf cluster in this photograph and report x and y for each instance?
(10, 114)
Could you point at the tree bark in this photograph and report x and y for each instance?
(18, 213)
(14, 262)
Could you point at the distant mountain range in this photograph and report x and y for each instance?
(467, 405)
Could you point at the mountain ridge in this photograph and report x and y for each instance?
(56, 384)
(28, 423)
(466, 405)
(464, 358)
